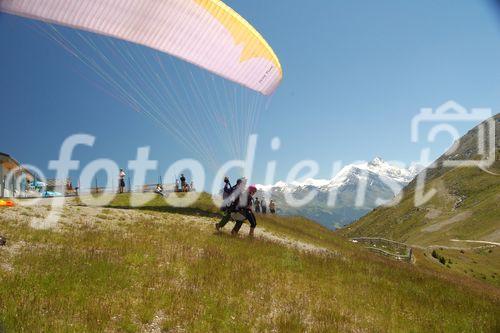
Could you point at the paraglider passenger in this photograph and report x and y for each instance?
(121, 181)
(245, 208)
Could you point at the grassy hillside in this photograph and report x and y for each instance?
(164, 268)
(466, 207)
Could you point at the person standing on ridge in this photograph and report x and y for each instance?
(121, 181)
(183, 183)
(272, 207)
(257, 205)
(263, 206)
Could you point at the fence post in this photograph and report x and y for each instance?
(2, 180)
(13, 182)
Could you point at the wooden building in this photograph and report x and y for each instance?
(13, 177)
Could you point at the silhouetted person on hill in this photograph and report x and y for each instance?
(183, 183)
(263, 206)
(121, 181)
(257, 205)
(272, 207)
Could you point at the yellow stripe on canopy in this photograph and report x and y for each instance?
(255, 46)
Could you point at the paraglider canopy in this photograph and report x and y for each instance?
(195, 68)
(207, 33)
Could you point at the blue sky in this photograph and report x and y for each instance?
(356, 72)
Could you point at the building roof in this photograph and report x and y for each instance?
(10, 160)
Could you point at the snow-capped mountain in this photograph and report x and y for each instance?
(354, 191)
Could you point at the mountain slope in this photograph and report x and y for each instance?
(161, 268)
(465, 206)
(463, 214)
(382, 180)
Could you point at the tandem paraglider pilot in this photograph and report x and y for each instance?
(238, 206)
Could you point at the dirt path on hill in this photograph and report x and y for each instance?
(264, 234)
(475, 241)
(456, 248)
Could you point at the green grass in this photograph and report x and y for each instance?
(476, 263)
(92, 278)
(295, 227)
(406, 223)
